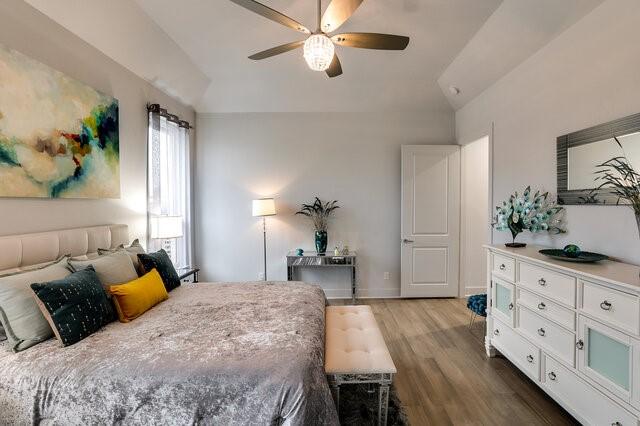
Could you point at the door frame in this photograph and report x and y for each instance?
(488, 133)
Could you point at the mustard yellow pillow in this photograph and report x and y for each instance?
(138, 296)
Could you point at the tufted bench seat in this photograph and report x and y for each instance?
(355, 352)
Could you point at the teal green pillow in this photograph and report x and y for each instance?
(23, 323)
(75, 306)
(162, 263)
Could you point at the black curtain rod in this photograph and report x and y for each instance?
(155, 108)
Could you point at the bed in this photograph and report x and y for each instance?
(214, 353)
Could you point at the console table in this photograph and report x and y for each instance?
(315, 260)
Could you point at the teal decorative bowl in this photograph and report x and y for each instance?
(580, 257)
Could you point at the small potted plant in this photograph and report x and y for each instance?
(526, 212)
(319, 212)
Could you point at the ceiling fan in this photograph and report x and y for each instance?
(319, 47)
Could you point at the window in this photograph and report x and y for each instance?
(169, 186)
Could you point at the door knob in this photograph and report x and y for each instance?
(406, 241)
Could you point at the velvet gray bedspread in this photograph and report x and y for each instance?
(224, 354)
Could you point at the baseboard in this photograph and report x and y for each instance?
(364, 293)
(474, 290)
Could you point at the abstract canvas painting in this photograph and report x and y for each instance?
(58, 136)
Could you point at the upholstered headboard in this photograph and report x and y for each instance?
(20, 251)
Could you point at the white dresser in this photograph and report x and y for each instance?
(573, 328)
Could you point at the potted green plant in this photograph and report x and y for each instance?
(319, 213)
(527, 212)
(618, 175)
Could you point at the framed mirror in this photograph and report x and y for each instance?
(580, 152)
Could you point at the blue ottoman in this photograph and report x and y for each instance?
(477, 304)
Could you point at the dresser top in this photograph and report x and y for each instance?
(618, 273)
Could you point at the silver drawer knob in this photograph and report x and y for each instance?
(552, 375)
(616, 424)
(496, 332)
(605, 305)
(542, 282)
(541, 331)
(580, 344)
(530, 358)
(503, 267)
(541, 306)
(511, 306)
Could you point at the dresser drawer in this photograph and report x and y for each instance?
(612, 306)
(554, 285)
(518, 349)
(547, 308)
(503, 266)
(589, 404)
(548, 335)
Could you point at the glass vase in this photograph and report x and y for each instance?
(321, 242)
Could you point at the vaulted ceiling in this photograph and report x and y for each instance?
(197, 50)
(219, 35)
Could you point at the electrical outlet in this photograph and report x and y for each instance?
(261, 276)
(387, 276)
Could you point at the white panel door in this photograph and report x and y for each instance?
(430, 220)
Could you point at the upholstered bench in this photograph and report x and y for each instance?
(355, 352)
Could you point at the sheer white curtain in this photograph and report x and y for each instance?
(169, 181)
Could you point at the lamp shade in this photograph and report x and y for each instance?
(264, 207)
(166, 227)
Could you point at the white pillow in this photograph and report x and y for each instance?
(113, 268)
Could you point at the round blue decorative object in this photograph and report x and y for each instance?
(478, 304)
(571, 250)
(299, 252)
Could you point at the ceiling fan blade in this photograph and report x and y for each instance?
(337, 14)
(274, 15)
(276, 50)
(335, 69)
(371, 41)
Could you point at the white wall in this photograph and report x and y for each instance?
(351, 157)
(32, 33)
(587, 76)
(475, 221)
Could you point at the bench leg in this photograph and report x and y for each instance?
(335, 392)
(383, 405)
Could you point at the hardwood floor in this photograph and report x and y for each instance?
(444, 376)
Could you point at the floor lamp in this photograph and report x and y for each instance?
(262, 208)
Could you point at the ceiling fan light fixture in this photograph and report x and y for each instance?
(318, 52)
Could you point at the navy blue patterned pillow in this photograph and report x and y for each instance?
(75, 306)
(160, 261)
